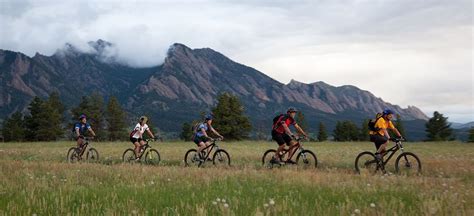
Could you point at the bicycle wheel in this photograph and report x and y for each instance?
(365, 163)
(267, 157)
(152, 157)
(306, 159)
(128, 156)
(221, 158)
(73, 155)
(92, 155)
(191, 158)
(408, 163)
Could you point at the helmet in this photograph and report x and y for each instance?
(209, 117)
(144, 119)
(291, 109)
(387, 112)
(82, 116)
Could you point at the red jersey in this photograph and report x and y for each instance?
(284, 119)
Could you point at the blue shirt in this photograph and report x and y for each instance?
(199, 132)
(82, 127)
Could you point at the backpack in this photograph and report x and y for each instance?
(372, 122)
(133, 132)
(277, 120)
(195, 129)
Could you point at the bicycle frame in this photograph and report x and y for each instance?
(398, 146)
(144, 148)
(212, 146)
(84, 146)
(298, 146)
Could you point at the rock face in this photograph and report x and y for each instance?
(186, 84)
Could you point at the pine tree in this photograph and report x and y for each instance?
(229, 118)
(13, 128)
(471, 135)
(346, 131)
(438, 128)
(97, 116)
(322, 133)
(32, 122)
(115, 120)
(364, 131)
(186, 131)
(49, 123)
(301, 121)
(55, 101)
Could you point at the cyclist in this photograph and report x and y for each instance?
(136, 136)
(282, 134)
(201, 137)
(380, 135)
(80, 128)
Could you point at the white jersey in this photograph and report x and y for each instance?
(139, 130)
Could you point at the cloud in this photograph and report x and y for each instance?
(407, 52)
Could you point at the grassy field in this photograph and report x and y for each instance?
(36, 180)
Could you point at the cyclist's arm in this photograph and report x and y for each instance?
(150, 133)
(216, 133)
(204, 133)
(287, 129)
(397, 132)
(92, 131)
(300, 130)
(386, 133)
(77, 132)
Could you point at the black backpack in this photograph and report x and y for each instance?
(372, 122)
(276, 120)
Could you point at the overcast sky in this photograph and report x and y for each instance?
(408, 52)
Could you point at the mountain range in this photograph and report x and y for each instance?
(185, 85)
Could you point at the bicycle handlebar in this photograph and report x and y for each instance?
(397, 139)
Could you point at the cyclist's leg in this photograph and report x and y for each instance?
(136, 143)
(281, 145)
(293, 145)
(380, 144)
(80, 141)
(201, 145)
(207, 143)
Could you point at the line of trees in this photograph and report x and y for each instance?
(47, 119)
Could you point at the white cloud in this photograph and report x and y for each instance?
(407, 52)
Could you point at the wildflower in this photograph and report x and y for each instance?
(271, 202)
(372, 205)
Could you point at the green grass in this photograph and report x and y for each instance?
(35, 179)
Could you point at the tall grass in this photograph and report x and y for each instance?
(35, 179)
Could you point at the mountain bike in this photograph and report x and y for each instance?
(305, 158)
(220, 157)
(406, 163)
(151, 155)
(75, 154)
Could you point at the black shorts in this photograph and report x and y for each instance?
(203, 139)
(281, 138)
(134, 140)
(378, 140)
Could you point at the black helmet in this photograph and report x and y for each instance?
(291, 109)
